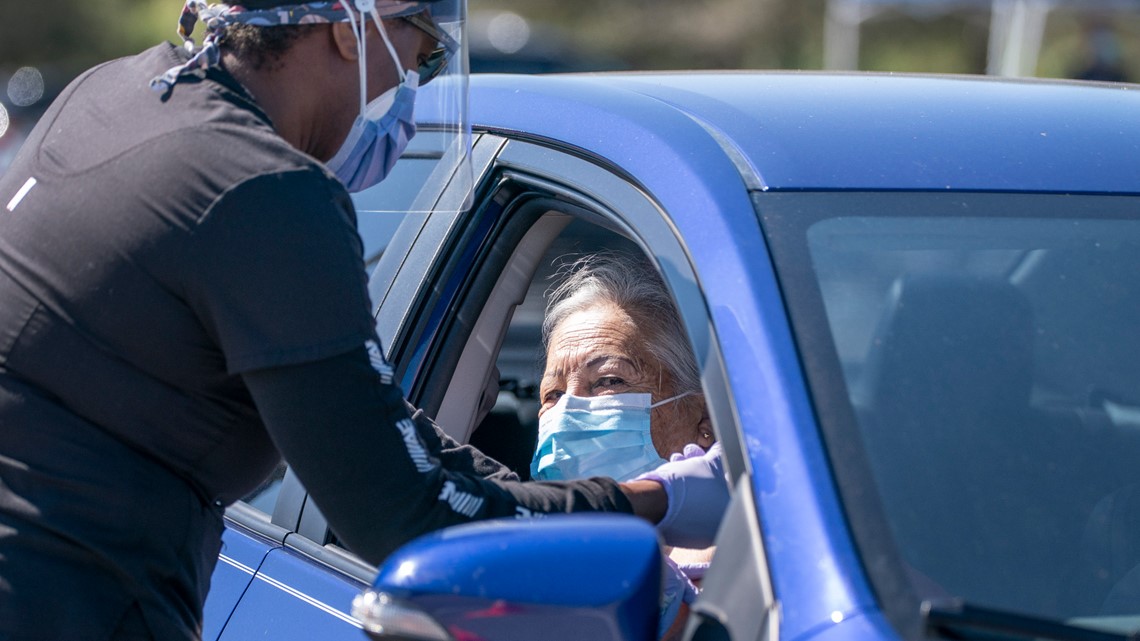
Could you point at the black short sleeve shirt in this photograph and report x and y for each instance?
(152, 249)
(165, 247)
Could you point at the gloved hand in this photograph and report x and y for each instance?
(676, 588)
(698, 495)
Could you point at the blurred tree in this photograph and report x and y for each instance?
(671, 34)
(788, 34)
(63, 37)
(66, 36)
(954, 42)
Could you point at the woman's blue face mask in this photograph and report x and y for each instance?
(588, 436)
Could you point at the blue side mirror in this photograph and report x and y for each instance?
(588, 576)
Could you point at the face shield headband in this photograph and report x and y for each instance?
(216, 17)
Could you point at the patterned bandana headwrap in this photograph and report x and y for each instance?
(218, 16)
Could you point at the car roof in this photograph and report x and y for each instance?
(804, 130)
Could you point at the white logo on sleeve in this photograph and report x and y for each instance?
(415, 447)
(462, 502)
(28, 184)
(376, 357)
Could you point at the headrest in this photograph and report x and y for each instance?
(952, 345)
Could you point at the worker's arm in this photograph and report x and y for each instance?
(347, 434)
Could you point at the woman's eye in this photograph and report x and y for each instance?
(608, 382)
(551, 397)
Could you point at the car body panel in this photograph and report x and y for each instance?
(846, 131)
(293, 598)
(868, 624)
(241, 555)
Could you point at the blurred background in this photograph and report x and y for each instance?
(45, 43)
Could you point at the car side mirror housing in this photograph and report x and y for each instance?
(572, 577)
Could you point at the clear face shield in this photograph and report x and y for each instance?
(441, 148)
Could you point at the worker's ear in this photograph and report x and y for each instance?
(344, 40)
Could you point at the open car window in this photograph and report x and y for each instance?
(508, 430)
(471, 328)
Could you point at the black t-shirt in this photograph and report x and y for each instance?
(182, 300)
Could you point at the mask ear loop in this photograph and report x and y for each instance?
(670, 400)
(358, 32)
(391, 48)
(366, 8)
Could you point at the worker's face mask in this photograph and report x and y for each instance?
(596, 436)
(382, 130)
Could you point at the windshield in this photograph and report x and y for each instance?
(983, 352)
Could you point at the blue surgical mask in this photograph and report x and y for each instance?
(385, 125)
(583, 436)
(377, 138)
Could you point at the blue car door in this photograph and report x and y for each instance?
(242, 552)
(291, 597)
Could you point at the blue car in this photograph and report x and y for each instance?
(916, 306)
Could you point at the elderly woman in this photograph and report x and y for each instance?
(621, 390)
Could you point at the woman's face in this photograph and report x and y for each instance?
(600, 351)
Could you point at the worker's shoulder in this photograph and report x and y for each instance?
(111, 119)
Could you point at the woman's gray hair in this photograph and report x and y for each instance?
(633, 284)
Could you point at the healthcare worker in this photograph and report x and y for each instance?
(183, 301)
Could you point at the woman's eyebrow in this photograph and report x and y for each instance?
(559, 373)
(599, 360)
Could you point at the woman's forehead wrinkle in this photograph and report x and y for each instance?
(561, 365)
(600, 340)
(612, 359)
(591, 332)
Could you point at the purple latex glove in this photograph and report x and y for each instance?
(676, 588)
(698, 495)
